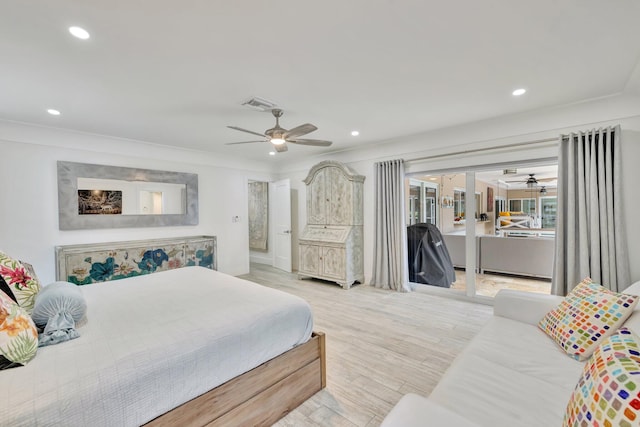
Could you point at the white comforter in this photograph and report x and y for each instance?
(150, 344)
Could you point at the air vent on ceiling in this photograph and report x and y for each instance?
(259, 104)
(511, 171)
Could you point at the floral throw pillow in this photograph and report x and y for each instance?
(608, 392)
(588, 315)
(18, 282)
(18, 334)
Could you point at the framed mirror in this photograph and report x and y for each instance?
(99, 196)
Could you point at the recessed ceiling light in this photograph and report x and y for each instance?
(53, 112)
(78, 32)
(519, 92)
(272, 153)
(355, 133)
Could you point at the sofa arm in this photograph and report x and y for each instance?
(417, 411)
(527, 307)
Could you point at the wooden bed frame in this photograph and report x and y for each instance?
(261, 396)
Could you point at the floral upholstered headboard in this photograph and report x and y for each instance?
(101, 262)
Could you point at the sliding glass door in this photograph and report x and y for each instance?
(496, 229)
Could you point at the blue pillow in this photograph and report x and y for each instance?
(59, 307)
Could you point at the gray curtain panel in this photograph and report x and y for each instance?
(390, 269)
(590, 237)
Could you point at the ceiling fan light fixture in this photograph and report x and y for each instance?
(277, 141)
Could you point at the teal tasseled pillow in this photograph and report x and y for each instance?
(60, 307)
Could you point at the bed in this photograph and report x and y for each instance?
(185, 346)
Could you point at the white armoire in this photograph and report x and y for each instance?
(331, 243)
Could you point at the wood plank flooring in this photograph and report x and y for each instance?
(489, 284)
(380, 345)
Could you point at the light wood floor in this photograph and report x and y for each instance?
(380, 345)
(489, 284)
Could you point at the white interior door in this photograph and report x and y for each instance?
(282, 221)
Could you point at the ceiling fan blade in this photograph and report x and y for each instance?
(243, 142)
(314, 142)
(547, 179)
(299, 131)
(280, 148)
(247, 131)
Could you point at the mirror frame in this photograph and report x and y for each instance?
(69, 219)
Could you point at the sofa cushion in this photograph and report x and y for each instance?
(416, 411)
(633, 322)
(505, 375)
(587, 315)
(608, 392)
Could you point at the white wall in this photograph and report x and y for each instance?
(534, 126)
(29, 216)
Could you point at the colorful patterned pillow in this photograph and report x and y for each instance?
(589, 314)
(18, 334)
(18, 282)
(608, 393)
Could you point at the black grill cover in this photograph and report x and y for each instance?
(429, 260)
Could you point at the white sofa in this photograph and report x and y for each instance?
(526, 256)
(511, 373)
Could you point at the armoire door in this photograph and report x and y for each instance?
(334, 262)
(340, 198)
(317, 197)
(309, 259)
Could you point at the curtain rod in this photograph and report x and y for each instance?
(487, 149)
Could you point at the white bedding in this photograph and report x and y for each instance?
(150, 344)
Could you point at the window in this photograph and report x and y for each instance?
(548, 208)
(422, 202)
(458, 203)
(528, 206)
(501, 205)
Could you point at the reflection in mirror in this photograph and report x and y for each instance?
(120, 197)
(99, 196)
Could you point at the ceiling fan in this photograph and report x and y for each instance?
(279, 136)
(532, 181)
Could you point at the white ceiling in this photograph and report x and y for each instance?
(175, 73)
(547, 177)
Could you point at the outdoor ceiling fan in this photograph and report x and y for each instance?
(532, 181)
(279, 136)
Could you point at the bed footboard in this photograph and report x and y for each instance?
(261, 396)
